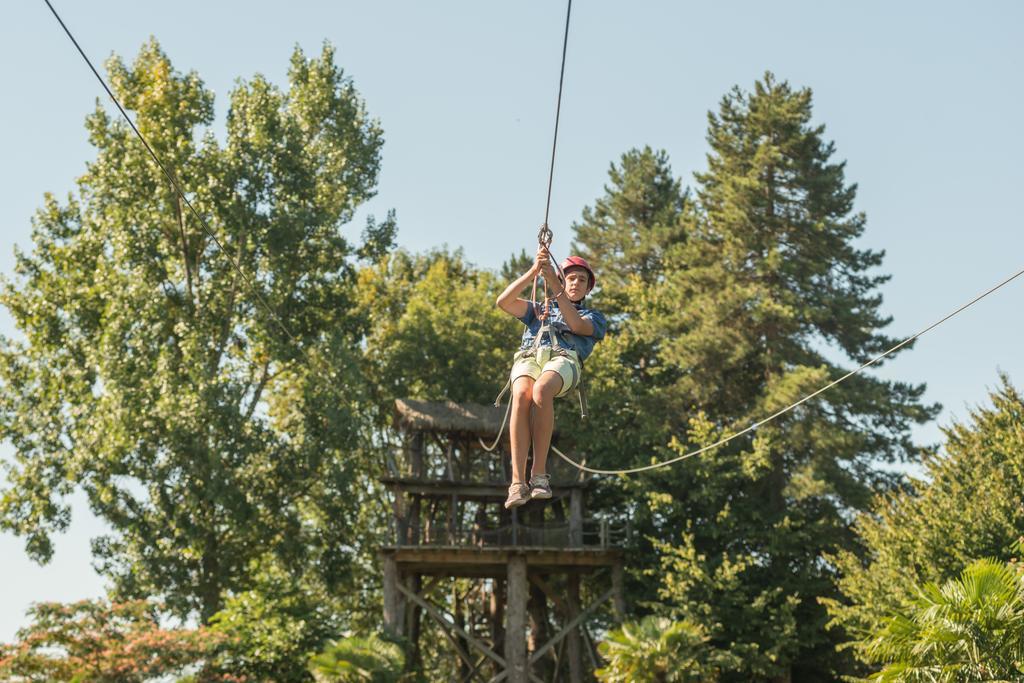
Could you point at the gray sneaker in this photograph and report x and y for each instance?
(518, 494)
(540, 486)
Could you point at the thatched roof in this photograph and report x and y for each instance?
(447, 416)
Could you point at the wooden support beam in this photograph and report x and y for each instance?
(555, 559)
(412, 582)
(393, 617)
(571, 625)
(555, 598)
(576, 518)
(447, 630)
(573, 641)
(517, 668)
(566, 630)
(473, 670)
(450, 624)
(591, 647)
(620, 597)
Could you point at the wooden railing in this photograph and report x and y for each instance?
(593, 533)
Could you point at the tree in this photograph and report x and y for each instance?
(357, 659)
(269, 632)
(434, 331)
(102, 642)
(970, 628)
(205, 429)
(657, 650)
(965, 506)
(630, 235)
(737, 326)
(629, 231)
(769, 278)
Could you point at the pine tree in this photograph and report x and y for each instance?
(749, 314)
(772, 278)
(628, 231)
(629, 235)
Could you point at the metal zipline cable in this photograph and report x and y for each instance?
(174, 183)
(633, 470)
(792, 406)
(545, 235)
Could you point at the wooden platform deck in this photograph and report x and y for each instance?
(493, 561)
(487, 491)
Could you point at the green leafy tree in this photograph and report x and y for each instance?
(965, 506)
(149, 372)
(269, 632)
(434, 331)
(658, 650)
(435, 334)
(970, 628)
(738, 323)
(359, 659)
(103, 642)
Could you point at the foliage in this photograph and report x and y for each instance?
(100, 642)
(658, 650)
(750, 308)
(434, 331)
(370, 659)
(965, 506)
(629, 231)
(970, 628)
(236, 462)
(271, 630)
(151, 375)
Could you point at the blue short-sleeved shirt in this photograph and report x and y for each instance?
(583, 346)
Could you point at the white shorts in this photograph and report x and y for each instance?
(531, 363)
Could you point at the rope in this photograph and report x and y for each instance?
(501, 430)
(174, 183)
(779, 413)
(545, 235)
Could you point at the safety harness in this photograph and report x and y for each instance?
(556, 349)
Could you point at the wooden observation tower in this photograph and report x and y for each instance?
(513, 583)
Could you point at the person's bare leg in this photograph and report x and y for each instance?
(519, 429)
(544, 391)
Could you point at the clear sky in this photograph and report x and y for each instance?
(923, 100)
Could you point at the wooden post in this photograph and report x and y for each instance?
(415, 523)
(576, 518)
(401, 517)
(449, 459)
(453, 503)
(618, 596)
(538, 610)
(461, 644)
(393, 617)
(416, 455)
(498, 618)
(574, 645)
(515, 629)
(414, 583)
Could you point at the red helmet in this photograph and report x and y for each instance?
(579, 262)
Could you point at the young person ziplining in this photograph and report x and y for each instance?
(548, 364)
